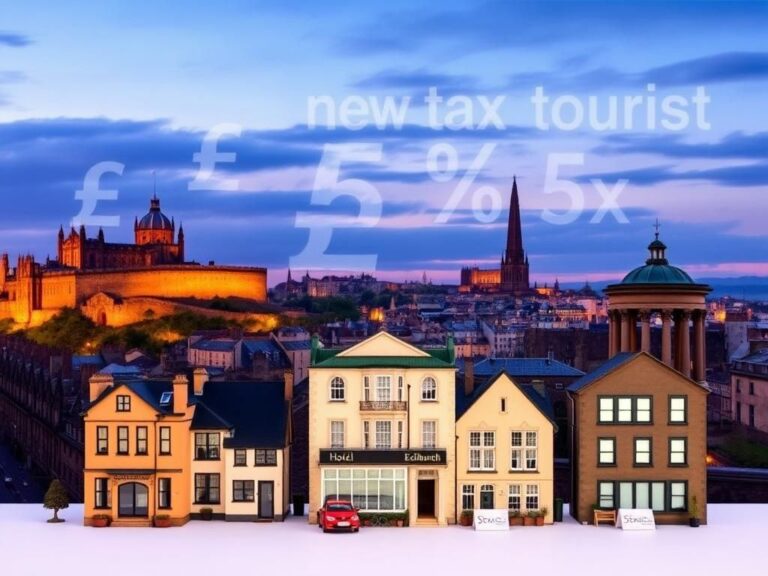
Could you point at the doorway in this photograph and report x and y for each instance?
(426, 498)
(486, 496)
(266, 499)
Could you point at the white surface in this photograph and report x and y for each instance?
(490, 520)
(641, 519)
(733, 543)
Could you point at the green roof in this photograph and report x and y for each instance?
(329, 358)
(657, 274)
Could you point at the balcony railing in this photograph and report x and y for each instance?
(382, 405)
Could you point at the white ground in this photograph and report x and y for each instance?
(734, 543)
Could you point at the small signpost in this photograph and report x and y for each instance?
(635, 519)
(490, 520)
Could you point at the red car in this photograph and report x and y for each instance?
(338, 515)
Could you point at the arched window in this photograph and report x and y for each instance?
(133, 500)
(337, 390)
(429, 389)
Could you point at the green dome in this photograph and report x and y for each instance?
(657, 274)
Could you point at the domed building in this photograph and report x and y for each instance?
(659, 293)
(155, 227)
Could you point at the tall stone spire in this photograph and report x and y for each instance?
(514, 253)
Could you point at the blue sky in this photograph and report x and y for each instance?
(83, 82)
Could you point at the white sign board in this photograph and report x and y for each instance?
(487, 520)
(640, 519)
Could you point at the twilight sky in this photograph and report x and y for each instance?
(141, 85)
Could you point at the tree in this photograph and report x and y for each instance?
(56, 499)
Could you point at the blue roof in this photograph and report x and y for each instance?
(297, 345)
(464, 402)
(263, 345)
(526, 367)
(603, 370)
(120, 370)
(216, 345)
(89, 360)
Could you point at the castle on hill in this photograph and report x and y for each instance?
(117, 284)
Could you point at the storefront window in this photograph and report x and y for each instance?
(371, 489)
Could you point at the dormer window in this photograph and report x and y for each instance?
(123, 403)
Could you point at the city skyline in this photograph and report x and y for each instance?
(174, 78)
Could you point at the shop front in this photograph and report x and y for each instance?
(389, 481)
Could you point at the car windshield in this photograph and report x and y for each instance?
(339, 508)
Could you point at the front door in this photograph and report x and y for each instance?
(426, 504)
(486, 498)
(266, 499)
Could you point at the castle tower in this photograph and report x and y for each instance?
(181, 242)
(514, 263)
(154, 227)
(661, 292)
(4, 271)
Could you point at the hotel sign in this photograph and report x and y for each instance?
(407, 457)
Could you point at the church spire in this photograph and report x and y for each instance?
(514, 253)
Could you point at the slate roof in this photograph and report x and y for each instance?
(296, 345)
(464, 402)
(215, 345)
(148, 390)
(603, 370)
(256, 411)
(525, 367)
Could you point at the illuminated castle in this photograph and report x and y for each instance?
(512, 276)
(118, 284)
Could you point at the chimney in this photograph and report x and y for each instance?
(288, 375)
(98, 383)
(180, 394)
(469, 376)
(199, 378)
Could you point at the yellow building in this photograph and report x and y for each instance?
(165, 448)
(137, 450)
(381, 428)
(504, 447)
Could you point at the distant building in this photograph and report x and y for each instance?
(749, 389)
(512, 276)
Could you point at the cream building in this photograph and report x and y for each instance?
(504, 447)
(381, 428)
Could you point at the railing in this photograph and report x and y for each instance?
(383, 405)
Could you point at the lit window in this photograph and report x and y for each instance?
(141, 440)
(337, 434)
(606, 495)
(606, 409)
(677, 496)
(642, 451)
(677, 451)
(123, 403)
(607, 451)
(677, 409)
(102, 440)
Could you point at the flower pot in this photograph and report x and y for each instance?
(465, 519)
(162, 522)
(528, 521)
(367, 522)
(400, 523)
(539, 520)
(100, 522)
(694, 522)
(515, 520)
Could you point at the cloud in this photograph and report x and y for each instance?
(14, 40)
(740, 176)
(734, 145)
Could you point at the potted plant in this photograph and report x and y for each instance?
(542, 514)
(401, 518)
(100, 520)
(466, 518)
(56, 499)
(206, 513)
(530, 518)
(162, 521)
(694, 521)
(515, 518)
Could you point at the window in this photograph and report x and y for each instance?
(400, 389)
(482, 450)
(514, 497)
(163, 492)
(141, 440)
(366, 389)
(383, 389)
(468, 497)
(337, 390)
(677, 451)
(383, 434)
(165, 398)
(504, 405)
(370, 489)
(122, 440)
(643, 452)
(678, 409)
(266, 457)
(751, 415)
(606, 409)
(524, 452)
(242, 490)
(165, 440)
(751, 388)
(207, 445)
(532, 497)
(678, 502)
(399, 433)
(738, 385)
(102, 440)
(207, 489)
(337, 434)
(606, 452)
(102, 493)
(625, 410)
(429, 434)
(123, 403)
(366, 434)
(429, 389)
(606, 495)
(241, 457)
(133, 500)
